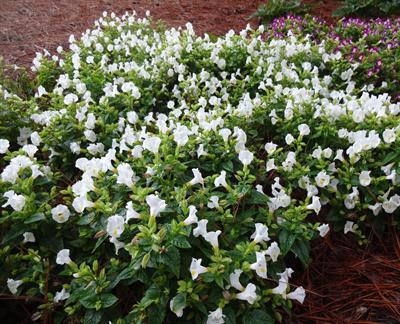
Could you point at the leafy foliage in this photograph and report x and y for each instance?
(368, 7)
(276, 8)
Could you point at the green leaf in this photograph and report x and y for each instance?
(181, 242)
(178, 302)
(92, 317)
(172, 259)
(302, 250)
(34, 218)
(258, 316)
(286, 240)
(257, 198)
(107, 300)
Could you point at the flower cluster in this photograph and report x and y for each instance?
(176, 173)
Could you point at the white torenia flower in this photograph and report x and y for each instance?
(225, 133)
(270, 165)
(17, 202)
(323, 229)
(315, 205)
(75, 148)
(30, 150)
(220, 180)
(365, 178)
(130, 212)
(36, 139)
(270, 147)
(234, 279)
(152, 144)
(60, 213)
(260, 266)
(13, 285)
(261, 233)
(289, 139)
(298, 294)
(245, 156)
(213, 202)
(389, 135)
(322, 179)
(349, 227)
(61, 295)
(70, 99)
(117, 244)
(216, 317)
(81, 203)
(126, 175)
(273, 251)
(196, 268)
(198, 178)
(192, 218)
(248, 294)
(115, 225)
(304, 129)
(4, 145)
(212, 238)
(156, 204)
(201, 229)
(29, 237)
(63, 257)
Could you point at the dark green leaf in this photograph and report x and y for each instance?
(258, 316)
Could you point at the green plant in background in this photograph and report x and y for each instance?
(277, 8)
(368, 8)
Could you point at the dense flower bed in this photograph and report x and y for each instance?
(160, 176)
(373, 44)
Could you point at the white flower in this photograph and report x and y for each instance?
(220, 180)
(260, 266)
(130, 212)
(70, 98)
(181, 135)
(61, 295)
(249, 294)
(152, 144)
(304, 129)
(234, 279)
(4, 145)
(389, 135)
(225, 133)
(132, 117)
(126, 175)
(117, 244)
(30, 150)
(115, 226)
(270, 165)
(60, 213)
(376, 209)
(323, 229)
(322, 179)
(289, 139)
(349, 227)
(156, 205)
(198, 178)
(216, 317)
(273, 251)
(192, 218)
(29, 237)
(212, 238)
(63, 257)
(261, 233)
(35, 139)
(13, 285)
(270, 147)
(298, 294)
(80, 203)
(75, 148)
(365, 178)
(196, 268)
(245, 156)
(213, 202)
(17, 202)
(201, 228)
(315, 205)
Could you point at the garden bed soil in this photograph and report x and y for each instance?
(345, 283)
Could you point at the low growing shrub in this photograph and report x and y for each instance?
(165, 177)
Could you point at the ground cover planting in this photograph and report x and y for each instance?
(159, 176)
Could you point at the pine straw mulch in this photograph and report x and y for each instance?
(348, 283)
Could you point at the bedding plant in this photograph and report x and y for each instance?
(157, 176)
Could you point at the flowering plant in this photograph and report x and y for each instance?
(166, 177)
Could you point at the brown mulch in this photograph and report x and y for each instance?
(345, 283)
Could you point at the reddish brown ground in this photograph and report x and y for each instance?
(346, 283)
